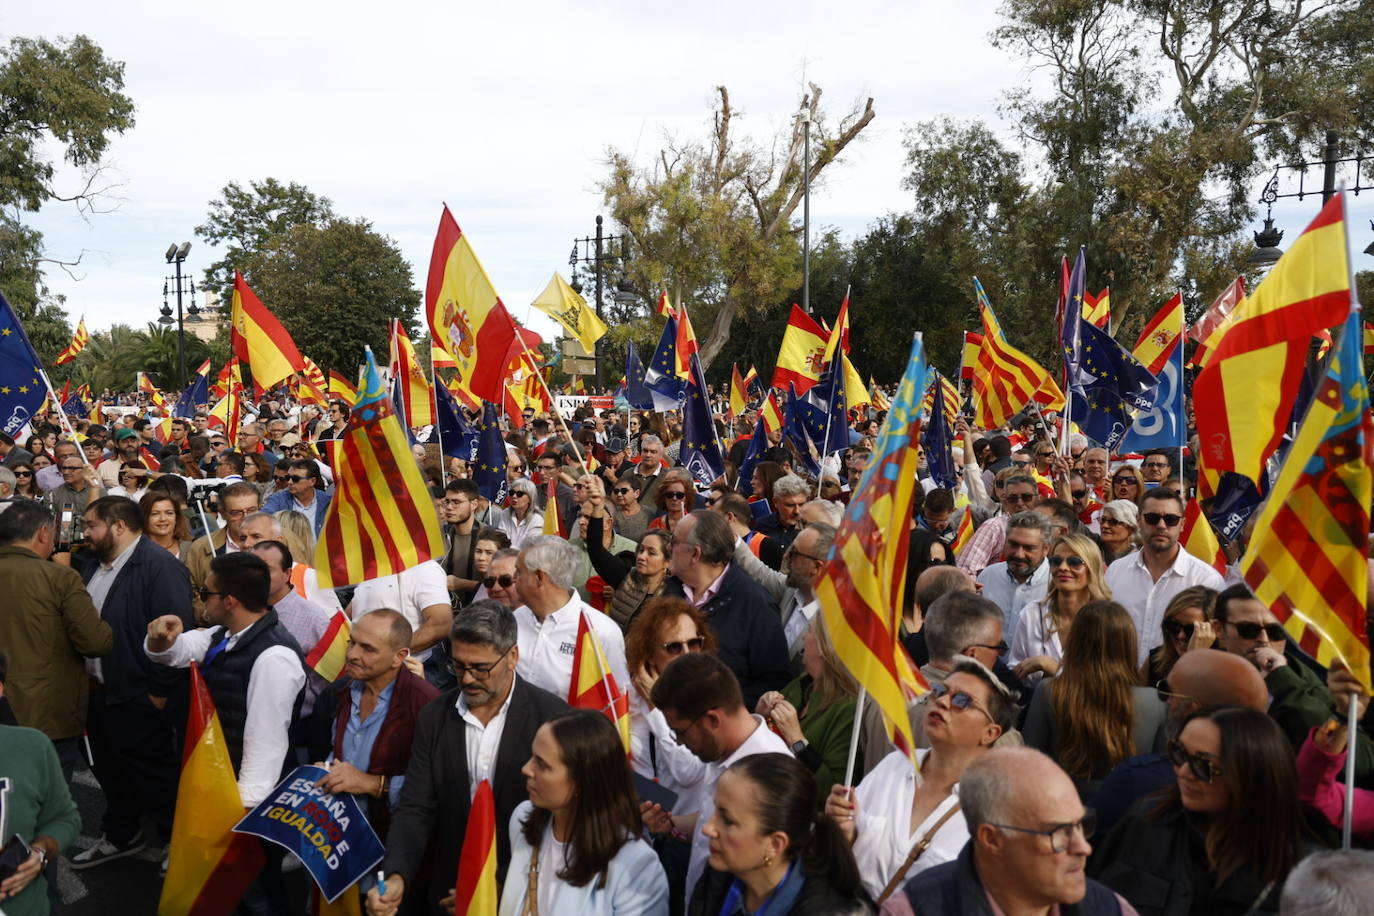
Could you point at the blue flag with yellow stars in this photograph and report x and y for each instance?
(489, 472)
(662, 379)
(797, 419)
(637, 395)
(939, 440)
(457, 437)
(700, 452)
(21, 382)
(758, 444)
(1109, 388)
(824, 410)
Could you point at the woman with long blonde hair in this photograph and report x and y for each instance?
(1076, 577)
(1094, 715)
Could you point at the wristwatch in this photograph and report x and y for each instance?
(798, 746)
(42, 856)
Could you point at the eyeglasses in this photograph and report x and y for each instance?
(1163, 692)
(674, 494)
(503, 581)
(1000, 648)
(1022, 464)
(455, 503)
(298, 478)
(1247, 629)
(71, 467)
(1168, 518)
(1074, 562)
(1061, 834)
(1178, 628)
(792, 551)
(695, 644)
(958, 699)
(546, 467)
(1019, 497)
(205, 593)
(1204, 768)
(1108, 522)
(680, 733)
(236, 513)
(622, 491)
(480, 672)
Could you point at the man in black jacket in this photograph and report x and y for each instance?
(133, 741)
(743, 616)
(499, 711)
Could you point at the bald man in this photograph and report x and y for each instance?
(1200, 679)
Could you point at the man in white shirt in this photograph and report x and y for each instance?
(252, 667)
(419, 593)
(700, 699)
(549, 618)
(1146, 580)
(305, 620)
(1024, 576)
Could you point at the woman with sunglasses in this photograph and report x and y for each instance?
(1042, 626)
(676, 496)
(1220, 841)
(25, 486)
(636, 584)
(1119, 526)
(1187, 625)
(575, 846)
(133, 481)
(1127, 483)
(1094, 714)
(814, 713)
(520, 519)
(901, 821)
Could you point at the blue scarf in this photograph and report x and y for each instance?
(778, 901)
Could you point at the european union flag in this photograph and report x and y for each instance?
(798, 417)
(1071, 329)
(939, 442)
(825, 412)
(196, 394)
(637, 393)
(22, 389)
(665, 388)
(457, 437)
(758, 444)
(75, 407)
(489, 472)
(700, 451)
(1109, 387)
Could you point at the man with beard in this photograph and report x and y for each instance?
(1024, 576)
(132, 581)
(460, 541)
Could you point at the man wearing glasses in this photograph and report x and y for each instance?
(305, 493)
(1155, 467)
(1145, 580)
(481, 729)
(80, 486)
(1028, 845)
(1019, 492)
(236, 502)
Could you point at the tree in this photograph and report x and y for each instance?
(109, 360)
(334, 288)
(245, 220)
(155, 351)
(712, 221)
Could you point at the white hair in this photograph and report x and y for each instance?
(1330, 883)
(831, 512)
(791, 485)
(553, 556)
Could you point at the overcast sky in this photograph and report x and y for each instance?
(503, 110)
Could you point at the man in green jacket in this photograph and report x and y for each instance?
(49, 628)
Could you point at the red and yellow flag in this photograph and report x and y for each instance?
(802, 355)
(1244, 395)
(79, 340)
(1199, 539)
(1098, 309)
(1006, 379)
(341, 389)
(145, 385)
(260, 341)
(739, 395)
(862, 584)
(382, 519)
(417, 401)
(327, 657)
(466, 317)
(839, 336)
(963, 534)
(474, 889)
(951, 399)
(663, 307)
(593, 685)
(1159, 337)
(969, 358)
(553, 519)
(771, 413)
(209, 866)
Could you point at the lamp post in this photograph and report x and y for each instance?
(176, 255)
(597, 246)
(1267, 239)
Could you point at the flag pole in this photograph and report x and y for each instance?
(438, 427)
(1351, 729)
(854, 736)
(549, 394)
(62, 414)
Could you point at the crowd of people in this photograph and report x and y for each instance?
(1112, 725)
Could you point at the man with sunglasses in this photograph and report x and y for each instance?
(305, 492)
(1019, 493)
(1147, 579)
(499, 584)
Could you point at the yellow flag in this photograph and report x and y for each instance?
(562, 303)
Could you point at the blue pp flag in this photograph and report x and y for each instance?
(824, 412)
(21, 375)
(637, 394)
(457, 437)
(489, 471)
(328, 833)
(700, 452)
(1108, 386)
(1163, 425)
(665, 387)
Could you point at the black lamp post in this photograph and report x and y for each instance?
(592, 250)
(176, 254)
(1267, 239)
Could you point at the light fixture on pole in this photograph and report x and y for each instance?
(176, 255)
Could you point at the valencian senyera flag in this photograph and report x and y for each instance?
(862, 585)
(382, 519)
(1308, 556)
(1005, 379)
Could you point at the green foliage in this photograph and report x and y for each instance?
(155, 352)
(334, 287)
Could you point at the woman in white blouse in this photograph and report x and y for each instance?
(520, 520)
(1042, 627)
(901, 821)
(575, 845)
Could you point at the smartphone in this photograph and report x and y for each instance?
(654, 793)
(14, 854)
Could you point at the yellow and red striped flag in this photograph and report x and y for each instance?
(417, 401)
(963, 534)
(1006, 379)
(260, 341)
(739, 395)
(229, 377)
(771, 413)
(474, 889)
(440, 359)
(839, 336)
(341, 389)
(79, 340)
(145, 385)
(209, 866)
(802, 354)
(686, 342)
(864, 578)
(593, 685)
(466, 317)
(553, 519)
(663, 307)
(951, 399)
(1199, 539)
(1307, 560)
(382, 519)
(1159, 337)
(1098, 309)
(877, 397)
(327, 657)
(311, 386)
(1244, 395)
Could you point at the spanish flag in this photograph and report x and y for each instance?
(260, 341)
(739, 399)
(663, 307)
(145, 385)
(209, 866)
(1097, 310)
(593, 685)
(963, 534)
(855, 392)
(553, 519)
(341, 389)
(327, 657)
(417, 401)
(382, 519)
(563, 304)
(839, 337)
(466, 317)
(1160, 335)
(771, 413)
(1199, 539)
(79, 340)
(686, 342)
(474, 890)
(802, 354)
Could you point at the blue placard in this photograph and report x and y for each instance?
(328, 833)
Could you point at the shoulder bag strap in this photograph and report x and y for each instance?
(915, 853)
(532, 889)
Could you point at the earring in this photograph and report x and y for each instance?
(767, 861)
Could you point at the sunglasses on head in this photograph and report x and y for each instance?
(695, 644)
(1248, 629)
(1204, 768)
(1168, 518)
(503, 581)
(1074, 562)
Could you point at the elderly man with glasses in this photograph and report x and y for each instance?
(80, 486)
(1019, 492)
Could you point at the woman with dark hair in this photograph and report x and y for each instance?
(1094, 715)
(924, 550)
(766, 473)
(634, 584)
(675, 496)
(575, 845)
(257, 471)
(770, 852)
(1220, 841)
(164, 522)
(1187, 625)
(25, 485)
